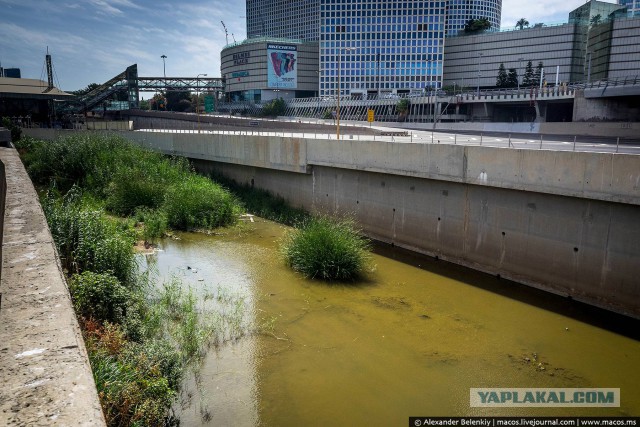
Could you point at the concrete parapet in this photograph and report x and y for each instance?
(45, 372)
(288, 154)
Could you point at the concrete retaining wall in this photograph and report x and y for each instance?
(565, 222)
(46, 377)
(599, 176)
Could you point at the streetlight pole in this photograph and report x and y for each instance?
(519, 68)
(589, 69)
(198, 98)
(479, 58)
(164, 69)
(339, 92)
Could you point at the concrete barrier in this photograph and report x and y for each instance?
(45, 372)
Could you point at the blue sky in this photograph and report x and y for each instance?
(93, 40)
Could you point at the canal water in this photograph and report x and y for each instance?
(411, 340)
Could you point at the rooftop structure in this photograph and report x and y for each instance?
(459, 12)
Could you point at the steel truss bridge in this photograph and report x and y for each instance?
(128, 82)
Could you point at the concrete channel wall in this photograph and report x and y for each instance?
(44, 368)
(565, 222)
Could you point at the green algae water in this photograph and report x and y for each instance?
(410, 340)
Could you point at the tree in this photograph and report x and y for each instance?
(522, 22)
(175, 98)
(158, 102)
(512, 78)
(477, 25)
(527, 80)
(501, 81)
(538, 74)
(596, 19)
(403, 109)
(274, 108)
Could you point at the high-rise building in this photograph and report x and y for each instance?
(371, 46)
(633, 6)
(292, 19)
(380, 46)
(459, 12)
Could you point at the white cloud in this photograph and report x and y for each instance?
(545, 11)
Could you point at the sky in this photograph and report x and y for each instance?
(91, 41)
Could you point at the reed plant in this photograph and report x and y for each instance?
(197, 203)
(327, 249)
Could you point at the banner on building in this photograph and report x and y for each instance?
(282, 70)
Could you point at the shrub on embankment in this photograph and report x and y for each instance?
(327, 249)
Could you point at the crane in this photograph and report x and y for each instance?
(226, 34)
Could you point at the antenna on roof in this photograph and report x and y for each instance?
(49, 72)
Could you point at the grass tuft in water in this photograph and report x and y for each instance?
(327, 249)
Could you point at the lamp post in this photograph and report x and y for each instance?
(589, 69)
(164, 69)
(519, 68)
(479, 58)
(339, 90)
(198, 98)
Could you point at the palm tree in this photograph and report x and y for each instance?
(522, 23)
(596, 19)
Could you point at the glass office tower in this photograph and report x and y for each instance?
(380, 47)
(633, 6)
(291, 19)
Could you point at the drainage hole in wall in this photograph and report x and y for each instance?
(575, 249)
(438, 218)
(503, 233)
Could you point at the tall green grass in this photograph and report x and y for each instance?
(86, 239)
(127, 178)
(196, 202)
(327, 249)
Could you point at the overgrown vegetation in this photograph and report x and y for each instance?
(274, 108)
(328, 249)
(264, 203)
(128, 178)
(141, 338)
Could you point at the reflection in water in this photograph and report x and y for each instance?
(411, 340)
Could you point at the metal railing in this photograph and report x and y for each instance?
(508, 141)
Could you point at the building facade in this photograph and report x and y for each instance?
(614, 49)
(265, 68)
(473, 61)
(380, 47)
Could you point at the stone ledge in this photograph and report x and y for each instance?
(44, 366)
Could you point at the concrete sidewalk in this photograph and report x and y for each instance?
(44, 368)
